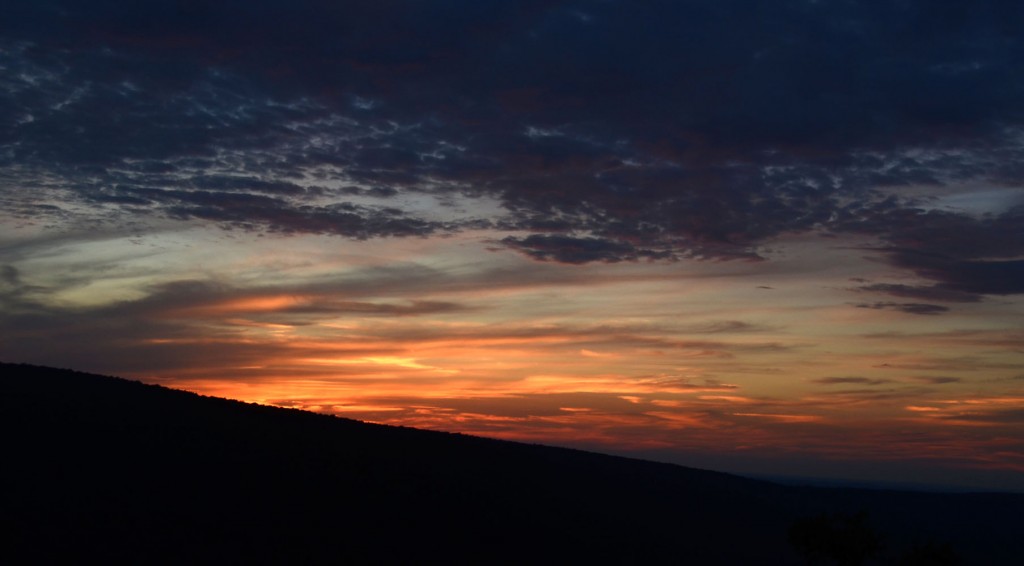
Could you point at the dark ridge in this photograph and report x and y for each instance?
(103, 469)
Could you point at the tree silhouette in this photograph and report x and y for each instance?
(931, 554)
(846, 539)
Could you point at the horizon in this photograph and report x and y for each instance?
(814, 481)
(767, 240)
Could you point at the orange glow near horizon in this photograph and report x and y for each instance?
(673, 358)
(671, 257)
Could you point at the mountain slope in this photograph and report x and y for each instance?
(106, 468)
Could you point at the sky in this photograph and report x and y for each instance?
(775, 238)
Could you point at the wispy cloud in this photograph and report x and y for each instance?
(909, 308)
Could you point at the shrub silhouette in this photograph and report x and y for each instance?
(931, 554)
(846, 539)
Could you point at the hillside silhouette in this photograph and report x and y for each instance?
(101, 468)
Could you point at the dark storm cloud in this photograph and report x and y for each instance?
(610, 131)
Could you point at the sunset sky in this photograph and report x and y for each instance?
(780, 238)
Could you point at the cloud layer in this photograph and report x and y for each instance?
(675, 225)
(606, 131)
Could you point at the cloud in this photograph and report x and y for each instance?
(15, 294)
(966, 363)
(658, 132)
(932, 293)
(1005, 416)
(661, 131)
(975, 339)
(848, 380)
(981, 411)
(966, 256)
(936, 380)
(909, 308)
(994, 277)
(930, 380)
(568, 249)
(667, 382)
(9, 275)
(724, 326)
(294, 309)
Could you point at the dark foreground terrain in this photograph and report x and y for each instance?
(102, 469)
